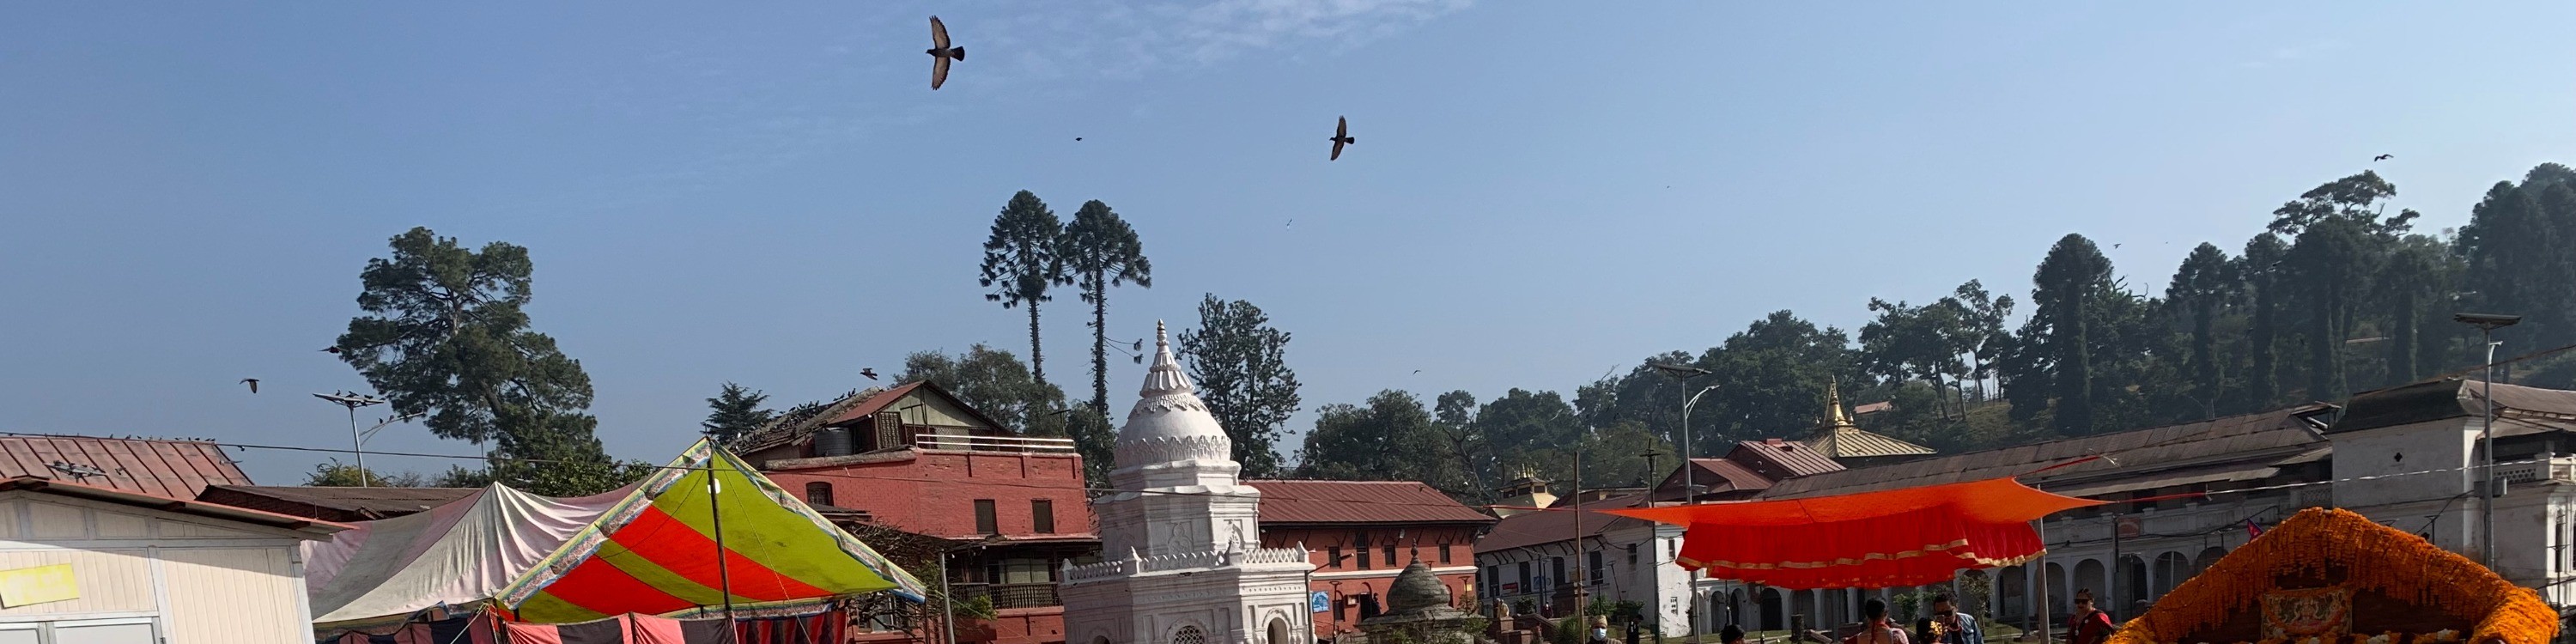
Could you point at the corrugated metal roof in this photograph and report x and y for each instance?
(1854, 442)
(171, 468)
(335, 503)
(2261, 438)
(1783, 459)
(1550, 526)
(312, 529)
(1286, 502)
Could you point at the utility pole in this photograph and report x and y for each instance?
(1581, 564)
(2487, 324)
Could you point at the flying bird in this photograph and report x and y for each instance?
(1077, 138)
(940, 53)
(1342, 137)
(870, 372)
(331, 350)
(2115, 245)
(254, 384)
(2383, 157)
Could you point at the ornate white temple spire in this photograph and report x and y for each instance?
(1165, 377)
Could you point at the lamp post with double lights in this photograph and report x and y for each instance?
(2487, 323)
(1685, 373)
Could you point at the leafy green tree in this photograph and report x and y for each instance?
(2261, 268)
(735, 411)
(1239, 363)
(337, 474)
(2204, 288)
(1915, 342)
(1021, 262)
(445, 335)
(1526, 429)
(1101, 252)
(1773, 376)
(1983, 336)
(1453, 417)
(2515, 249)
(2333, 259)
(1643, 395)
(1615, 457)
(996, 383)
(2417, 274)
(1390, 437)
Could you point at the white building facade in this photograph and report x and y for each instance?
(1180, 537)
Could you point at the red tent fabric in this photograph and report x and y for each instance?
(1903, 537)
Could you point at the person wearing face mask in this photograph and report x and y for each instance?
(1600, 630)
(1945, 625)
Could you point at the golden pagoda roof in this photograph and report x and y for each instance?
(1839, 437)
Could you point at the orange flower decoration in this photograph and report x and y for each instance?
(2369, 558)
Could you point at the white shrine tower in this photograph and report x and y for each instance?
(1180, 538)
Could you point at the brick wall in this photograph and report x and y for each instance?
(934, 493)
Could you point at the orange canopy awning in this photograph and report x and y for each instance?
(1890, 538)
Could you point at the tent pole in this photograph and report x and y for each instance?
(715, 515)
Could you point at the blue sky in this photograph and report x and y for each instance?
(1541, 191)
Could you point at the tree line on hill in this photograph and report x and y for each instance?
(2335, 295)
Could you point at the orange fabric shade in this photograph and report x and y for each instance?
(1882, 539)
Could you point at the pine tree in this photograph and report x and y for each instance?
(735, 411)
(1100, 252)
(1021, 263)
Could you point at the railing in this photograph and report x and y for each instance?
(1009, 595)
(2314, 496)
(965, 443)
(1183, 561)
(2557, 470)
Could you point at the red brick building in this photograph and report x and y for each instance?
(1361, 533)
(916, 459)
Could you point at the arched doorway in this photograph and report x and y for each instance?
(2208, 557)
(1774, 611)
(2012, 593)
(2060, 588)
(1278, 631)
(2091, 575)
(2171, 569)
(2133, 586)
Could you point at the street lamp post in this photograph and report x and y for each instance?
(2487, 324)
(357, 445)
(1690, 491)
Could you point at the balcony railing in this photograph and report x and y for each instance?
(1010, 595)
(963, 443)
(2553, 470)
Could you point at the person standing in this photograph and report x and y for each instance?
(1875, 629)
(1945, 625)
(1732, 634)
(2088, 625)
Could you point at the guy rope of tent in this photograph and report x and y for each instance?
(1890, 538)
(656, 551)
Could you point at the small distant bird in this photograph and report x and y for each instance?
(870, 372)
(253, 382)
(1342, 137)
(1417, 371)
(1140, 345)
(2383, 157)
(1292, 223)
(2115, 245)
(331, 350)
(1077, 138)
(940, 53)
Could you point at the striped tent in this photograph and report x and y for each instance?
(655, 552)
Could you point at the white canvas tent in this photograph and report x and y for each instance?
(458, 554)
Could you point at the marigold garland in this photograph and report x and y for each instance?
(2320, 543)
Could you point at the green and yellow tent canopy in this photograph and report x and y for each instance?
(657, 551)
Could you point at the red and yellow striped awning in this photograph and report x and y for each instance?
(1890, 538)
(656, 552)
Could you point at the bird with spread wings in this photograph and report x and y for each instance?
(941, 54)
